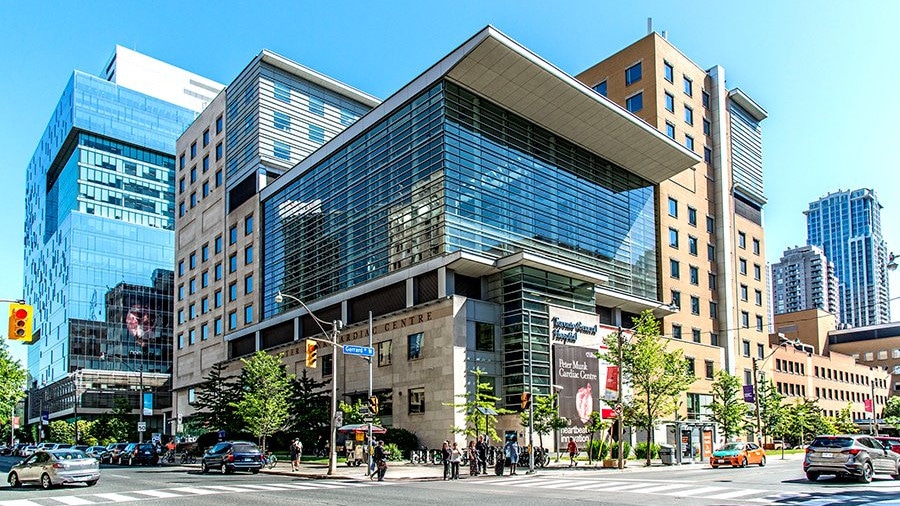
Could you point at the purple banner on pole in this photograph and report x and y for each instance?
(749, 396)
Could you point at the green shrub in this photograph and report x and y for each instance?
(405, 440)
(392, 451)
(626, 449)
(599, 450)
(640, 450)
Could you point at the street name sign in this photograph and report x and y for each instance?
(362, 351)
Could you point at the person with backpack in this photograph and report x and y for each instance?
(296, 452)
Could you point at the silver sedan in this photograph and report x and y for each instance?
(57, 467)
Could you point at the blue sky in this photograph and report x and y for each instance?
(818, 68)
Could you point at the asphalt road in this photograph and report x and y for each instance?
(779, 483)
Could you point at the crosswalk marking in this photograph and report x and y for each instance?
(226, 488)
(72, 500)
(603, 485)
(116, 497)
(159, 494)
(193, 490)
(664, 488)
(626, 486)
(19, 502)
(733, 494)
(696, 491)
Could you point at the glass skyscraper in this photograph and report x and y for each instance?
(846, 225)
(99, 240)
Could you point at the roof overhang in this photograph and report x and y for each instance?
(292, 67)
(748, 104)
(631, 304)
(500, 69)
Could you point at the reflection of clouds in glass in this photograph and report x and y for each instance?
(141, 324)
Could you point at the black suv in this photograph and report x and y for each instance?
(231, 456)
(144, 454)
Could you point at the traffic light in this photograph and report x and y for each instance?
(312, 353)
(20, 318)
(373, 405)
(526, 400)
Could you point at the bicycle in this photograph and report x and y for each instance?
(269, 460)
(169, 457)
(188, 458)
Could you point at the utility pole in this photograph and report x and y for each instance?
(874, 416)
(619, 410)
(141, 399)
(756, 402)
(371, 446)
(530, 397)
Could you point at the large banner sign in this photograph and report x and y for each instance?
(577, 371)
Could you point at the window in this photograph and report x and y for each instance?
(181, 162)
(204, 305)
(742, 240)
(757, 272)
(674, 269)
(414, 343)
(193, 199)
(484, 336)
(180, 316)
(670, 102)
(205, 137)
(692, 216)
(711, 252)
(695, 334)
(673, 207)
(673, 238)
(181, 185)
(205, 188)
(713, 309)
(248, 314)
(282, 92)
(758, 297)
(694, 275)
(759, 323)
(601, 88)
(218, 244)
(676, 331)
(688, 86)
(281, 150)
(217, 271)
(204, 279)
(248, 225)
(744, 293)
(688, 115)
(248, 284)
(707, 155)
(316, 106)
(316, 133)
(192, 311)
(689, 142)
(676, 298)
(248, 255)
(232, 320)
(193, 149)
(712, 281)
(705, 98)
(181, 292)
(232, 234)
(220, 122)
(218, 178)
(760, 351)
(710, 369)
(193, 174)
(232, 291)
(219, 151)
(670, 130)
(204, 332)
(180, 341)
(668, 72)
(756, 246)
(692, 245)
(746, 348)
(633, 74)
(742, 266)
(281, 121)
(690, 365)
(714, 339)
(181, 268)
(710, 224)
(218, 298)
(232, 263)
(192, 260)
(695, 305)
(635, 102)
(384, 353)
(745, 319)
(416, 398)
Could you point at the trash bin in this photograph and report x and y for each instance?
(667, 454)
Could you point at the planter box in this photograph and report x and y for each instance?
(614, 463)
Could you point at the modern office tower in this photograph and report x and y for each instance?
(99, 238)
(846, 225)
(804, 279)
(493, 213)
(710, 227)
(274, 114)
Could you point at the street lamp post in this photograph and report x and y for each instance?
(336, 326)
(531, 397)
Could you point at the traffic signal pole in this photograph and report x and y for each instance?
(371, 447)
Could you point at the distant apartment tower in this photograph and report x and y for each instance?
(712, 256)
(804, 279)
(99, 230)
(274, 114)
(846, 225)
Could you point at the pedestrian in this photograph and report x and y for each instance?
(295, 449)
(473, 458)
(573, 450)
(445, 458)
(481, 448)
(380, 460)
(511, 451)
(455, 458)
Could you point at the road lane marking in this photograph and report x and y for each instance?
(117, 497)
(72, 500)
(734, 494)
(226, 488)
(193, 490)
(160, 494)
(626, 486)
(19, 502)
(696, 491)
(664, 488)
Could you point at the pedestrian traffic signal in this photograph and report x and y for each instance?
(526, 400)
(20, 319)
(373, 405)
(312, 353)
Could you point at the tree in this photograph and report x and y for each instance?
(267, 394)
(546, 417)
(311, 410)
(804, 418)
(61, 431)
(214, 400)
(891, 413)
(595, 424)
(12, 382)
(115, 426)
(658, 377)
(353, 413)
(477, 407)
(772, 412)
(842, 423)
(728, 408)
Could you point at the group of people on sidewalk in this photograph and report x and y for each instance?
(476, 452)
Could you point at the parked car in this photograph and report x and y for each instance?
(15, 449)
(738, 454)
(28, 450)
(850, 455)
(231, 456)
(115, 452)
(97, 452)
(890, 443)
(57, 467)
(144, 454)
